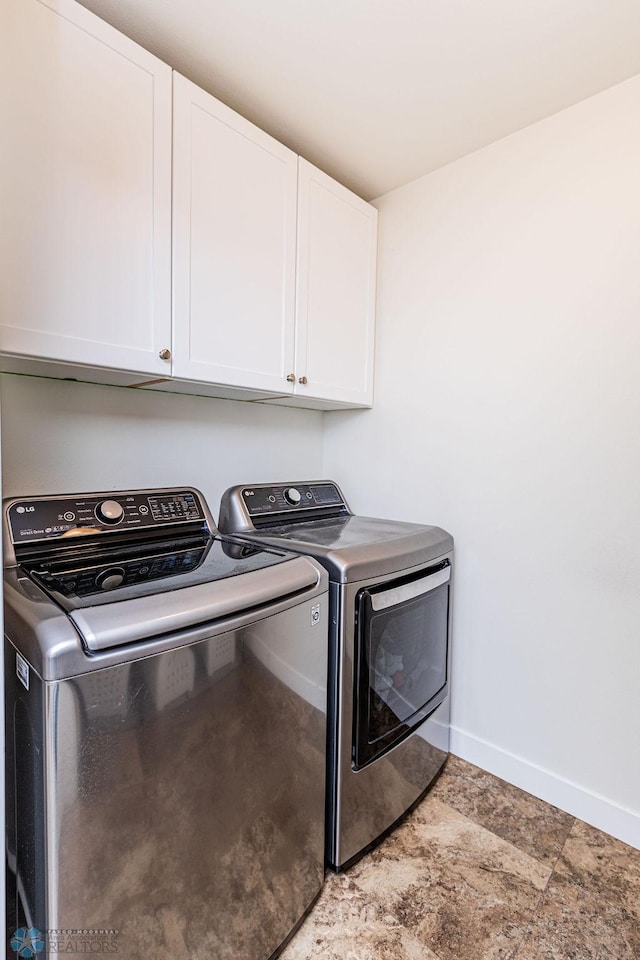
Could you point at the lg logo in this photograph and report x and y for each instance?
(25, 509)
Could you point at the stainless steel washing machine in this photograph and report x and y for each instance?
(166, 717)
(389, 648)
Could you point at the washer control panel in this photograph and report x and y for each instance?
(50, 518)
(264, 500)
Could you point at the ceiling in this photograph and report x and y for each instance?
(379, 92)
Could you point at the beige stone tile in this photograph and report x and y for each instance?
(591, 907)
(347, 924)
(462, 892)
(603, 866)
(534, 826)
(577, 924)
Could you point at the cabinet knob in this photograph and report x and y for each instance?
(302, 380)
(165, 354)
(291, 378)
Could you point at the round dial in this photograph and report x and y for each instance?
(110, 511)
(110, 579)
(292, 496)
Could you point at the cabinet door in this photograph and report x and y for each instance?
(335, 301)
(234, 230)
(85, 190)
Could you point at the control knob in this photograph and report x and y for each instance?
(110, 578)
(292, 496)
(110, 511)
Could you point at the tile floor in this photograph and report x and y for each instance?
(481, 871)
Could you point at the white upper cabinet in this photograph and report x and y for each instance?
(85, 191)
(234, 247)
(118, 177)
(336, 288)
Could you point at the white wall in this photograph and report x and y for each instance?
(60, 437)
(507, 409)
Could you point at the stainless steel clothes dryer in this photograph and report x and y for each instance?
(166, 723)
(389, 648)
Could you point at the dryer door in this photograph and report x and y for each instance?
(401, 658)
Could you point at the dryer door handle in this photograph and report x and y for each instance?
(408, 591)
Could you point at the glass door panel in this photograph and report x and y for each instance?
(401, 658)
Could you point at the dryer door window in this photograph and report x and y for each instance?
(401, 658)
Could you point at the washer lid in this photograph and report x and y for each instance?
(111, 625)
(88, 578)
(141, 590)
(357, 548)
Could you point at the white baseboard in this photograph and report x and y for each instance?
(619, 822)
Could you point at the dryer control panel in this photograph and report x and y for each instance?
(247, 508)
(283, 498)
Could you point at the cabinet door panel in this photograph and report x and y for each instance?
(335, 304)
(85, 186)
(234, 246)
